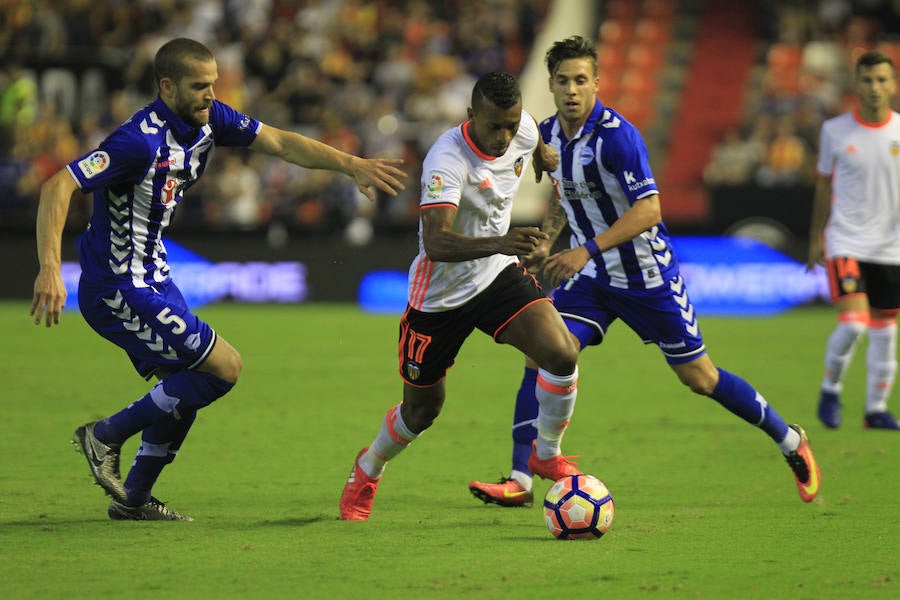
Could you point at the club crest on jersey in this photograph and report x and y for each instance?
(895, 148)
(848, 285)
(587, 155)
(413, 371)
(435, 187)
(520, 162)
(94, 164)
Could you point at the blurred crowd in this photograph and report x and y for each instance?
(804, 77)
(374, 78)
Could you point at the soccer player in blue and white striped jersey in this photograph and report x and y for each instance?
(138, 176)
(621, 266)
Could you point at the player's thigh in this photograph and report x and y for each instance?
(429, 342)
(663, 316)
(847, 284)
(223, 361)
(580, 302)
(883, 285)
(154, 327)
(540, 333)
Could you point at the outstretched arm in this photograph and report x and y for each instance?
(49, 290)
(369, 173)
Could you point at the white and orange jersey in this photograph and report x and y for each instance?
(481, 189)
(863, 161)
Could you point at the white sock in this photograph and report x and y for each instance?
(790, 442)
(881, 364)
(524, 480)
(840, 348)
(393, 437)
(556, 396)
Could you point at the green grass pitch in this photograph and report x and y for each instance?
(705, 505)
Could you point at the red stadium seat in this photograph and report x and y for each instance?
(611, 59)
(615, 33)
(652, 31)
(636, 81)
(648, 57)
(622, 9)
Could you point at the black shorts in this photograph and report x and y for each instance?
(880, 283)
(429, 342)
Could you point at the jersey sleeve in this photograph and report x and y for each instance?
(625, 155)
(123, 157)
(442, 179)
(231, 128)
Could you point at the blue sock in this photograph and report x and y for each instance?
(159, 445)
(177, 394)
(740, 398)
(524, 432)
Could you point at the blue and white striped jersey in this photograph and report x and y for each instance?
(602, 171)
(138, 175)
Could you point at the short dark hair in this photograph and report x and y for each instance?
(872, 58)
(571, 47)
(498, 88)
(171, 59)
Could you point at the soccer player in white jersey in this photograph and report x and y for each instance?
(138, 175)
(857, 208)
(621, 266)
(467, 275)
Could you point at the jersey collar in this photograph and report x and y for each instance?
(182, 130)
(471, 143)
(589, 124)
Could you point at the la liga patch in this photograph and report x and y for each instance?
(94, 164)
(435, 187)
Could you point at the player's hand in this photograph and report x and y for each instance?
(816, 254)
(49, 297)
(534, 260)
(563, 265)
(521, 241)
(545, 159)
(381, 173)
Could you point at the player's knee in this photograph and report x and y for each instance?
(564, 359)
(235, 366)
(229, 366)
(421, 406)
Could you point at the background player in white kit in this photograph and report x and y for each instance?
(857, 206)
(467, 275)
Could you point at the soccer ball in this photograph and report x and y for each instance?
(578, 507)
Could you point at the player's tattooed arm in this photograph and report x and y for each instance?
(553, 224)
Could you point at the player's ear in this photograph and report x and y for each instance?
(166, 85)
(470, 113)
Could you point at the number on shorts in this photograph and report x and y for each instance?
(415, 343)
(165, 317)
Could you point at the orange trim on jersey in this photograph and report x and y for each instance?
(421, 281)
(859, 120)
(883, 322)
(439, 205)
(471, 143)
(561, 390)
(854, 316)
(518, 312)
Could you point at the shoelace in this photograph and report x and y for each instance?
(162, 508)
(798, 465)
